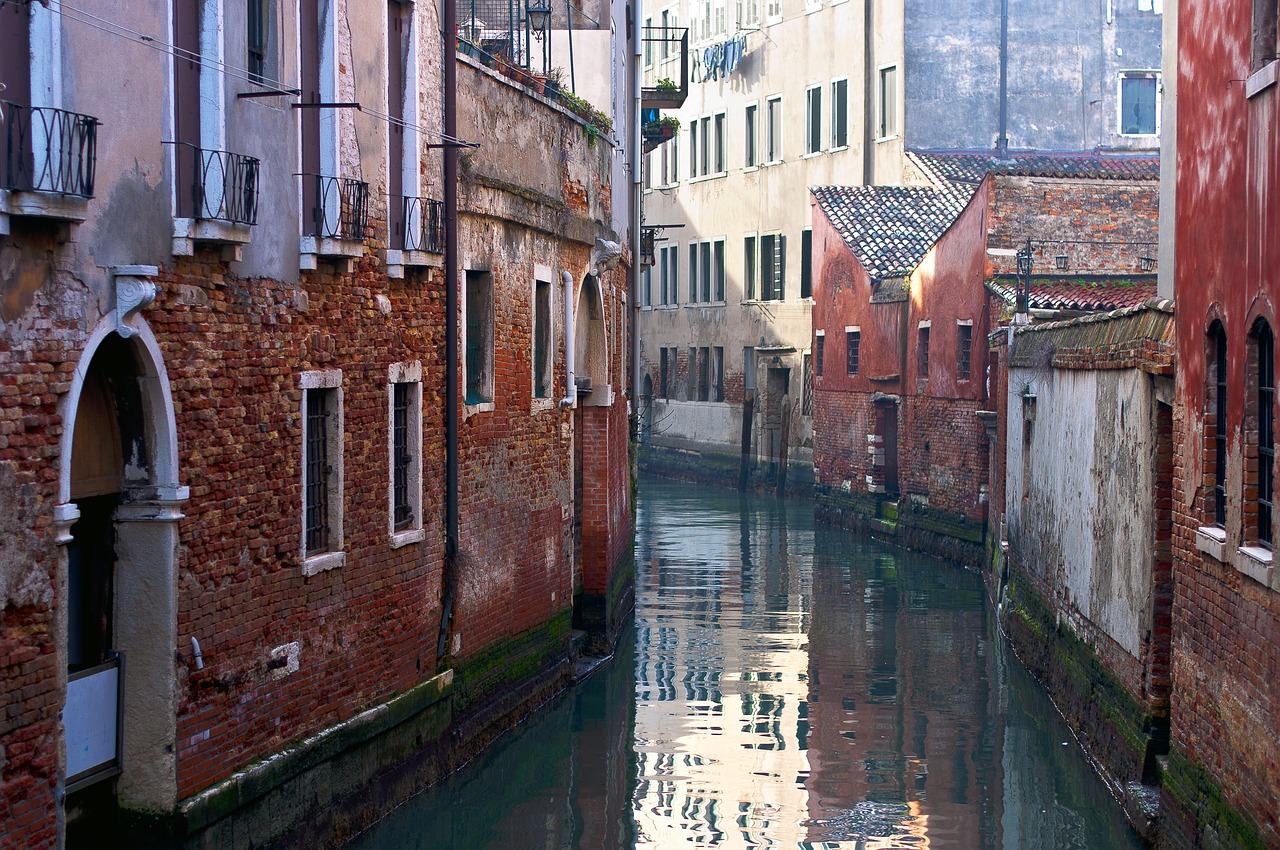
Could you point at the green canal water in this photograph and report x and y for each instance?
(788, 685)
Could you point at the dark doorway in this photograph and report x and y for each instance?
(887, 431)
(778, 384)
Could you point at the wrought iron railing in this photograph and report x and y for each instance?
(223, 185)
(423, 225)
(49, 150)
(341, 207)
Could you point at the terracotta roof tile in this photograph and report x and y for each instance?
(889, 228)
(1088, 294)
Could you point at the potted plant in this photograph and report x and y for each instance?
(553, 83)
(667, 87)
(663, 129)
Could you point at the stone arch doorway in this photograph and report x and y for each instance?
(118, 522)
(591, 360)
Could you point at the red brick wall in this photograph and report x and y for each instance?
(1225, 710)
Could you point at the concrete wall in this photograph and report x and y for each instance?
(1064, 60)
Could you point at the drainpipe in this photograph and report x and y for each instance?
(633, 298)
(570, 351)
(869, 84)
(1002, 140)
(449, 579)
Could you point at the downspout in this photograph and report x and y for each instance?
(570, 351)
(633, 297)
(869, 97)
(1002, 139)
(449, 579)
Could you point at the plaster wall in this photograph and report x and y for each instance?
(1079, 503)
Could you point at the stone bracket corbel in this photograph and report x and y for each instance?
(135, 289)
(605, 255)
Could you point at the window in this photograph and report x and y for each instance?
(852, 339)
(750, 132)
(806, 399)
(1028, 440)
(646, 287)
(720, 165)
(479, 351)
(964, 348)
(717, 373)
(648, 46)
(405, 452)
(704, 159)
(813, 120)
(1217, 376)
(542, 348)
(260, 42)
(748, 13)
(717, 271)
(704, 374)
(693, 148)
(693, 273)
(806, 262)
(773, 267)
(704, 276)
(1139, 100)
(922, 354)
(773, 130)
(749, 368)
(664, 368)
(717, 17)
(818, 347)
(673, 363)
(1265, 30)
(1265, 346)
(669, 273)
(646, 170)
(888, 103)
(749, 267)
(839, 114)
(321, 471)
(673, 161)
(773, 8)
(691, 385)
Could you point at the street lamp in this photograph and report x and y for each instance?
(1025, 264)
(539, 14)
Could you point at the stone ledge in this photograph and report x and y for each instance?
(1255, 562)
(1212, 542)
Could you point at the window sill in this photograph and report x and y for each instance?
(809, 10)
(1255, 562)
(51, 206)
(1139, 135)
(1212, 541)
(398, 261)
(542, 405)
(480, 407)
(342, 252)
(772, 19)
(811, 154)
(1262, 79)
(322, 562)
(705, 304)
(404, 538)
(187, 232)
(838, 148)
(749, 168)
(889, 138)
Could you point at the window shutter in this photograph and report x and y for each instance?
(780, 263)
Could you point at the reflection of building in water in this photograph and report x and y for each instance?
(901, 744)
(721, 692)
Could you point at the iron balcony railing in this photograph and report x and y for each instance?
(222, 185)
(423, 225)
(49, 150)
(340, 207)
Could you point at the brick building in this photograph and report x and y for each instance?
(1222, 777)
(909, 282)
(230, 571)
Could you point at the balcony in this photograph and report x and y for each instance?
(91, 720)
(49, 157)
(217, 200)
(336, 220)
(666, 62)
(420, 236)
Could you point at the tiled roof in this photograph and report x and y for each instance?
(889, 228)
(1074, 293)
(945, 168)
(1138, 336)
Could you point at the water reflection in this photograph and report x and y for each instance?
(789, 687)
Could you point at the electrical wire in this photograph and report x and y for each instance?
(81, 16)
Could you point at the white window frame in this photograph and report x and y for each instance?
(720, 143)
(669, 274)
(1139, 73)
(773, 130)
(812, 145)
(884, 132)
(751, 135)
(545, 276)
(408, 374)
(335, 556)
(832, 112)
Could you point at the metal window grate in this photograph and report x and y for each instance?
(922, 355)
(316, 487)
(1220, 427)
(852, 340)
(964, 351)
(402, 509)
(1266, 432)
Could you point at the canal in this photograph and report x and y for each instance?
(788, 685)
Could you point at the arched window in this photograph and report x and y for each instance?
(1216, 378)
(1264, 371)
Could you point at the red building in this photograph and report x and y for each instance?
(1223, 775)
(909, 282)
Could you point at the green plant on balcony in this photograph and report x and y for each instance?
(667, 86)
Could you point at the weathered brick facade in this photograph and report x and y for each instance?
(1223, 781)
(249, 661)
